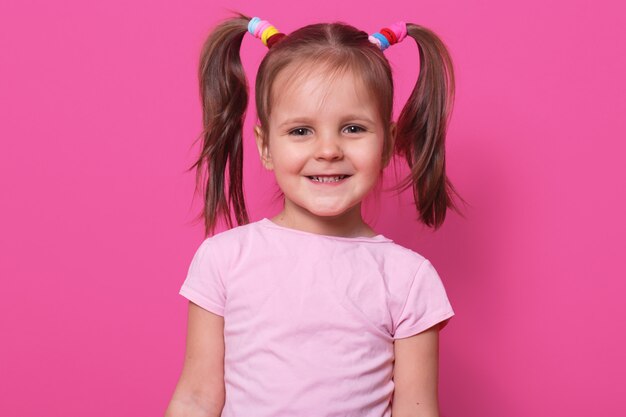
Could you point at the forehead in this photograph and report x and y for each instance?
(319, 89)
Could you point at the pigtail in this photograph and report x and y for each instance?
(224, 96)
(422, 128)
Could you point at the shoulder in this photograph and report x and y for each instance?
(417, 266)
(405, 268)
(227, 245)
(231, 236)
(402, 255)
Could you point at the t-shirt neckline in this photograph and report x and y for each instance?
(378, 238)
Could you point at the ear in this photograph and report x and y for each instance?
(264, 151)
(393, 130)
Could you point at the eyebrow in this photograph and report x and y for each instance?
(306, 120)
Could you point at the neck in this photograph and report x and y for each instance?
(347, 224)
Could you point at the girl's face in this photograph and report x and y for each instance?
(320, 129)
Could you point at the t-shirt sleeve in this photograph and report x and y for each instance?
(204, 284)
(426, 304)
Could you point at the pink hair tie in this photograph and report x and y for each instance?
(399, 28)
(264, 24)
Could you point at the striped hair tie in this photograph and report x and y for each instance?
(265, 31)
(389, 35)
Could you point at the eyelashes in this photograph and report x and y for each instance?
(301, 131)
(359, 129)
(298, 131)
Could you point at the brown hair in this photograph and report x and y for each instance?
(421, 127)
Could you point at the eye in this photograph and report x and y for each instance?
(355, 129)
(300, 131)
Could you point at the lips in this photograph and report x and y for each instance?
(327, 178)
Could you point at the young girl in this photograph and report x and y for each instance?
(312, 312)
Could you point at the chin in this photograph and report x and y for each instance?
(329, 212)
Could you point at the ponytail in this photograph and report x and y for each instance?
(224, 96)
(421, 129)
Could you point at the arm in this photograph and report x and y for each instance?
(416, 375)
(200, 390)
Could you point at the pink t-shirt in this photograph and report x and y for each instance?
(309, 319)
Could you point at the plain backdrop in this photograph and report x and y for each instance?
(99, 110)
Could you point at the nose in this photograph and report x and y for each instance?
(328, 147)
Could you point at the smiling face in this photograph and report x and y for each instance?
(321, 128)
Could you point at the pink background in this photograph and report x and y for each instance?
(99, 108)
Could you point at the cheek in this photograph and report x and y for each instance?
(368, 156)
(286, 159)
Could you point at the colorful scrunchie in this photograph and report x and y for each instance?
(389, 35)
(264, 30)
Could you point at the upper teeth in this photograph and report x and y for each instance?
(328, 179)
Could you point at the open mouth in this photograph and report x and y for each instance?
(327, 179)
